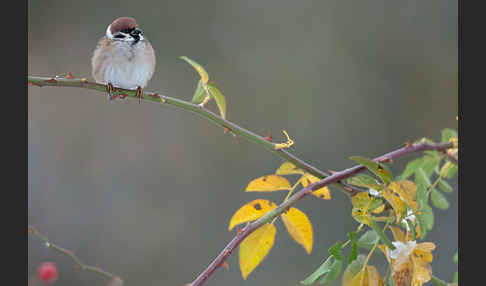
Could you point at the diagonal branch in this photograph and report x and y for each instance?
(335, 177)
(227, 125)
(69, 253)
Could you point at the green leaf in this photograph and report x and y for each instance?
(428, 215)
(376, 168)
(336, 250)
(382, 235)
(421, 178)
(456, 277)
(354, 247)
(422, 192)
(429, 164)
(439, 200)
(366, 181)
(219, 98)
(202, 72)
(426, 220)
(448, 170)
(330, 269)
(336, 267)
(355, 266)
(456, 257)
(444, 186)
(411, 168)
(368, 239)
(447, 134)
(322, 270)
(199, 94)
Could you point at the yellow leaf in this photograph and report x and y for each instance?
(379, 209)
(219, 98)
(368, 276)
(251, 211)
(374, 278)
(396, 203)
(361, 200)
(422, 271)
(255, 247)
(288, 168)
(322, 193)
(407, 191)
(426, 246)
(360, 216)
(299, 228)
(423, 251)
(202, 72)
(398, 234)
(268, 183)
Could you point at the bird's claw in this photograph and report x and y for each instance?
(139, 94)
(110, 89)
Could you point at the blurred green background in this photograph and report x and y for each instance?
(147, 191)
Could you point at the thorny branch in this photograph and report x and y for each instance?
(249, 228)
(82, 266)
(220, 260)
(228, 126)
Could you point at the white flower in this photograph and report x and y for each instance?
(402, 251)
(374, 193)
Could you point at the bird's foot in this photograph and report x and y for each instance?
(139, 94)
(110, 89)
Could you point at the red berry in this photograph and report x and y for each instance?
(47, 272)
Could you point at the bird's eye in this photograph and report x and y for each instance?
(119, 36)
(136, 31)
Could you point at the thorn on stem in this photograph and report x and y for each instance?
(226, 129)
(51, 80)
(269, 137)
(69, 75)
(386, 160)
(35, 84)
(225, 264)
(408, 144)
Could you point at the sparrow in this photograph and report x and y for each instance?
(123, 57)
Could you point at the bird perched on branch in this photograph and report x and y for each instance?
(123, 58)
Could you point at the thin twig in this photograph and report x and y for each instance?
(228, 126)
(49, 244)
(249, 228)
